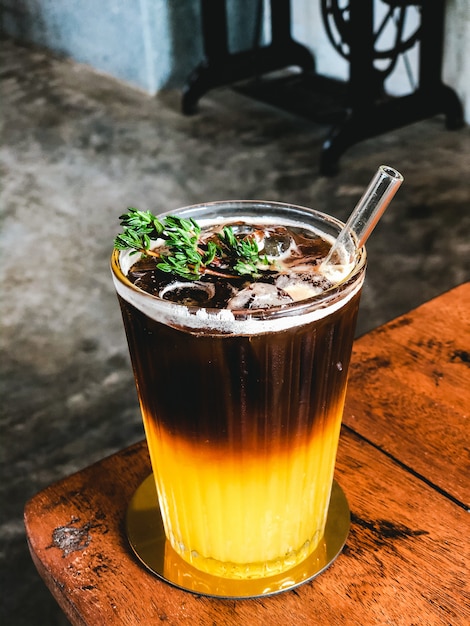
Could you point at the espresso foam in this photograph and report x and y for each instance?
(308, 307)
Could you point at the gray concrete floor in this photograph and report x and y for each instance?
(77, 149)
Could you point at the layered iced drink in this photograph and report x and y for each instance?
(241, 383)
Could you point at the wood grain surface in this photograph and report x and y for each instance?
(402, 469)
(409, 391)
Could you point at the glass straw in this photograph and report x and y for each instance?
(367, 212)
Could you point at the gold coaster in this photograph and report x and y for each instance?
(147, 539)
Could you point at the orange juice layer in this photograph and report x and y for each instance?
(238, 515)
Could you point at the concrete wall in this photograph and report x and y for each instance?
(128, 39)
(456, 70)
(154, 44)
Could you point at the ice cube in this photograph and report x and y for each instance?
(259, 296)
(194, 293)
(302, 286)
(277, 244)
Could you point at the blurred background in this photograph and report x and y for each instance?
(94, 120)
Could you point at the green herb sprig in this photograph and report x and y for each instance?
(183, 253)
(243, 253)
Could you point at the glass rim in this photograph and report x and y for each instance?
(320, 300)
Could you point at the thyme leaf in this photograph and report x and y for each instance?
(183, 252)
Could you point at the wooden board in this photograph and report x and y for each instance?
(402, 464)
(409, 391)
(404, 561)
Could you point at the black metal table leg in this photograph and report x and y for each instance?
(360, 108)
(384, 117)
(372, 113)
(220, 67)
(430, 65)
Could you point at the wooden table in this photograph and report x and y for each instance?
(402, 462)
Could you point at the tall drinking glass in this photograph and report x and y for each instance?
(242, 408)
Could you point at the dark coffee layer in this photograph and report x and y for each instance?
(255, 391)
